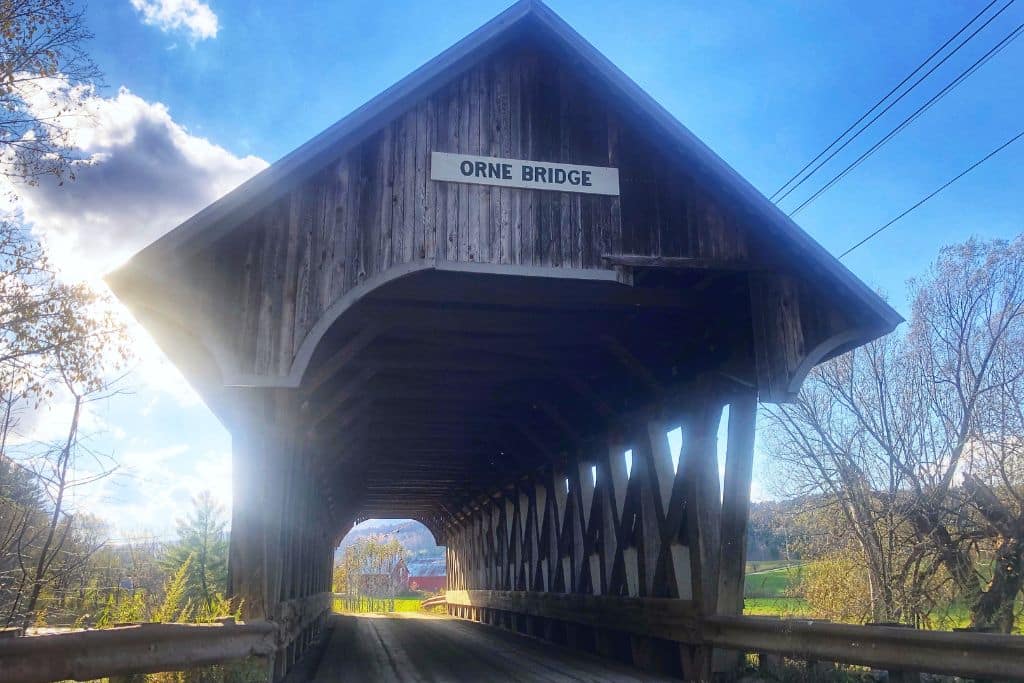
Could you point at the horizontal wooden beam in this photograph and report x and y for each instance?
(656, 617)
(677, 262)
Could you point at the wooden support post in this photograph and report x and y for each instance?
(735, 513)
(269, 512)
(701, 484)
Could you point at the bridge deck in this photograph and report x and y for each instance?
(428, 648)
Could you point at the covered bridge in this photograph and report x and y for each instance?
(464, 303)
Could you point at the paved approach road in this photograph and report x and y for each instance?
(428, 648)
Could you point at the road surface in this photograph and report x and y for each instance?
(418, 647)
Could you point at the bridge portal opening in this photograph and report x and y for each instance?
(387, 565)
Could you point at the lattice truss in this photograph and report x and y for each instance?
(597, 526)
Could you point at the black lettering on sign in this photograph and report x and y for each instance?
(515, 173)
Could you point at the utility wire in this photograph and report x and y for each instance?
(964, 75)
(894, 102)
(889, 94)
(967, 170)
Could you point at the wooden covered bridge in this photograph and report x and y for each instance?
(480, 301)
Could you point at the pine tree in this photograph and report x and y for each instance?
(201, 537)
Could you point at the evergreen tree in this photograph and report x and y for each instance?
(203, 545)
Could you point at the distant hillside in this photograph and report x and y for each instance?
(414, 537)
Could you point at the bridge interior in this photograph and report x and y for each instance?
(481, 358)
(454, 380)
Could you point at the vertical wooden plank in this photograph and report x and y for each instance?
(736, 503)
(410, 224)
(514, 138)
(429, 197)
(421, 217)
(439, 191)
(778, 334)
(610, 233)
(398, 205)
(735, 513)
(529, 131)
(452, 193)
(703, 517)
(648, 507)
(466, 146)
(703, 510)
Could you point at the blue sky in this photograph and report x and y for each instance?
(201, 94)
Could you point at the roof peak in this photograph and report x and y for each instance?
(218, 219)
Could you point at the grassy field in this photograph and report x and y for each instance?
(776, 607)
(379, 607)
(771, 583)
(766, 565)
(768, 590)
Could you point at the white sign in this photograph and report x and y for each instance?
(530, 175)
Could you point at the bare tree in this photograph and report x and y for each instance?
(41, 46)
(837, 447)
(967, 333)
(916, 439)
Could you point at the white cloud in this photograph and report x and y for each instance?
(192, 16)
(141, 174)
(153, 487)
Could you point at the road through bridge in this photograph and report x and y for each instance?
(481, 301)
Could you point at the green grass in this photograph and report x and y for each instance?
(381, 606)
(765, 565)
(768, 588)
(774, 583)
(408, 604)
(776, 607)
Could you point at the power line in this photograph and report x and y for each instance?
(964, 75)
(887, 96)
(967, 170)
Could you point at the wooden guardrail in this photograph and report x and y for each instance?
(435, 601)
(142, 648)
(980, 655)
(154, 647)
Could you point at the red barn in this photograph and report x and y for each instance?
(428, 574)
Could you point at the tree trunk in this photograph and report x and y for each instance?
(995, 606)
(44, 553)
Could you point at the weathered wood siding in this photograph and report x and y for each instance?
(377, 207)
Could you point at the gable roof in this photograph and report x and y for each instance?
(427, 566)
(534, 17)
